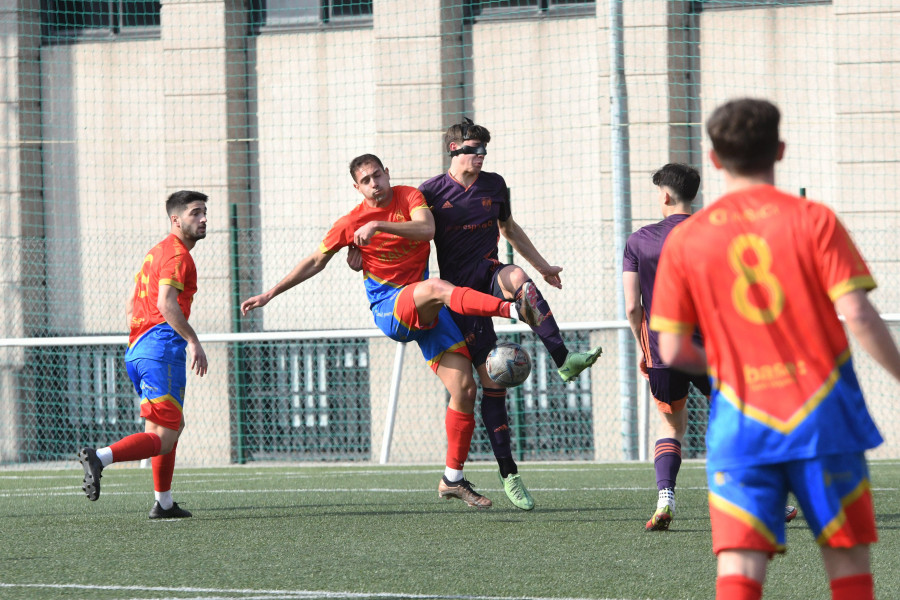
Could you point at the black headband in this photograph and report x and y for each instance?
(464, 128)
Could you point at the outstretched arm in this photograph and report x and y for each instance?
(521, 243)
(306, 268)
(869, 329)
(420, 227)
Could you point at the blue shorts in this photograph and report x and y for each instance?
(396, 316)
(161, 388)
(670, 387)
(746, 505)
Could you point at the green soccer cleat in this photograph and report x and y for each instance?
(576, 362)
(516, 491)
(665, 511)
(660, 520)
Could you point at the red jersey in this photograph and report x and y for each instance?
(759, 271)
(389, 261)
(168, 263)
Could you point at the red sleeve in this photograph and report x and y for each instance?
(841, 266)
(339, 236)
(415, 200)
(174, 268)
(673, 306)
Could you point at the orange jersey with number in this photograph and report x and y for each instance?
(759, 271)
(168, 263)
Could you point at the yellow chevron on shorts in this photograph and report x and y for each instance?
(724, 506)
(161, 399)
(839, 519)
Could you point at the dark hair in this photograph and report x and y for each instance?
(683, 180)
(467, 130)
(364, 159)
(178, 201)
(744, 135)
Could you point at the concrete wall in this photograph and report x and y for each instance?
(267, 125)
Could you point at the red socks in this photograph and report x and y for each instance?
(854, 587)
(466, 301)
(460, 428)
(737, 587)
(137, 446)
(163, 468)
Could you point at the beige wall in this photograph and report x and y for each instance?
(127, 122)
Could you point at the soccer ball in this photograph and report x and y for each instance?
(508, 364)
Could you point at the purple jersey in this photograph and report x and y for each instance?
(466, 222)
(642, 252)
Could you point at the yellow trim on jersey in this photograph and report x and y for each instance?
(733, 510)
(863, 282)
(370, 275)
(161, 399)
(658, 323)
(840, 519)
(324, 249)
(419, 207)
(172, 282)
(785, 427)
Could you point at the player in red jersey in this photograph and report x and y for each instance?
(392, 229)
(762, 272)
(160, 338)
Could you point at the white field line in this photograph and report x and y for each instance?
(248, 594)
(185, 490)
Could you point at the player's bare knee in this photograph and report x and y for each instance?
(513, 277)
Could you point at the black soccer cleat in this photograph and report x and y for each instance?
(176, 512)
(92, 469)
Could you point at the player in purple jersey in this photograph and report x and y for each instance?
(471, 210)
(677, 186)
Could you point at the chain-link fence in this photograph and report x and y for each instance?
(111, 106)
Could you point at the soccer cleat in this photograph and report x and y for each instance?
(789, 513)
(176, 512)
(665, 511)
(462, 489)
(516, 491)
(92, 469)
(526, 305)
(576, 362)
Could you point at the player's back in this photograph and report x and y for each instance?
(765, 290)
(763, 268)
(642, 251)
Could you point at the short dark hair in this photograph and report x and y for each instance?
(178, 201)
(364, 159)
(683, 180)
(744, 135)
(467, 130)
